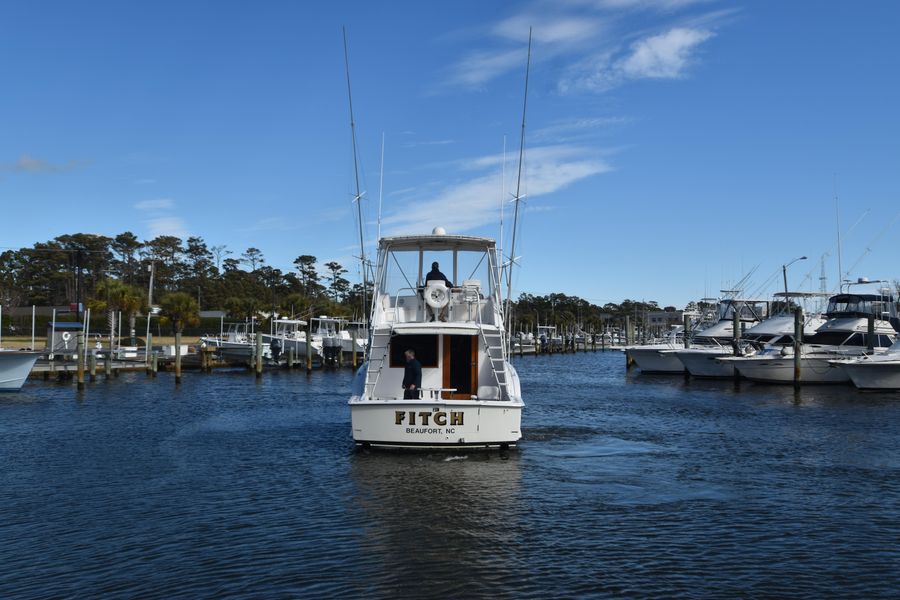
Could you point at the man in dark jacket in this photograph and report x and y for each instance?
(412, 376)
(435, 275)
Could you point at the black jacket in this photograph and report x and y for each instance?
(412, 374)
(435, 275)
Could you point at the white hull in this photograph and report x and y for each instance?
(656, 359)
(436, 423)
(874, 375)
(15, 368)
(299, 346)
(703, 363)
(781, 370)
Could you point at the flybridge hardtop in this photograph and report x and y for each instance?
(437, 242)
(453, 322)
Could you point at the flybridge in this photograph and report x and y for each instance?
(861, 305)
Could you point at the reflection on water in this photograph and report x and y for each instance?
(625, 485)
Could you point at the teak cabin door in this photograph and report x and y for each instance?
(460, 366)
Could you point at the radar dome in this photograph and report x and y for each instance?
(438, 231)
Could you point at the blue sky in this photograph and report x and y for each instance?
(672, 145)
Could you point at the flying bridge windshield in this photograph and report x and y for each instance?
(403, 270)
(861, 305)
(749, 310)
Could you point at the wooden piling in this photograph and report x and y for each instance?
(92, 366)
(107, 364)
(308, 348)
(870, 334)
(686, 334)
(798, 341)
(292, 351)
(154, 363)
(80, 349)
(148, 351)
(259, 355)
(353, 357)
(177, 357)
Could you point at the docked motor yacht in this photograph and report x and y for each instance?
(663, 358)
(873, 371)
(777, 330)
(470, 394)
(15, 366)
(843, 335)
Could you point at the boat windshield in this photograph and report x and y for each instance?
(749, 310)
(405, 270)
(861, 305)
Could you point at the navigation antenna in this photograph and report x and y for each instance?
(358, 197)
(518, 197)
(837, 219)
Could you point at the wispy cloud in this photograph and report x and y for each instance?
(157, 204)
(29, 164)
(144, 181)
(167, 226)
(474, 201)
(593, 43)
(160, 220)
(665, 55)
(577, 128)
(427, 143)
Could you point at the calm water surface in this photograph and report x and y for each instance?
(625, 485)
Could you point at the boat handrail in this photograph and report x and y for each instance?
(415, 294)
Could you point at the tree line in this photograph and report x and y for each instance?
(569, 312)
(109, 272)
(113, 273)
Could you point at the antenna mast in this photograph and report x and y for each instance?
(518, 197)
(358, 197)
(380, 188)
(837, 219)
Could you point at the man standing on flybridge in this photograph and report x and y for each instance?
(435, 275)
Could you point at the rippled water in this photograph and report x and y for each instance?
(625, 485)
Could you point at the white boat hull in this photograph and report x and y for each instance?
(874, 375)
(299, 346)
(436, 423)
(704, 363)
(781, 370)
(656, 360)
(15, 368)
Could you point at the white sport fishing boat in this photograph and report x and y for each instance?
(15, 366)
(237, 343)
(470, 395)
(663, 358)
(873, 371)
(844, 335)
(776, 331)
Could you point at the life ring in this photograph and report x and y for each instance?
(66, 336)
(437, 296)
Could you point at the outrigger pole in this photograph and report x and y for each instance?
(358, 197)
(518, 196)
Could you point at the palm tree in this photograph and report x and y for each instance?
(114, 295)
(181, 310)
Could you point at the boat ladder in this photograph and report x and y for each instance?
(493, 345)
(376, 360)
